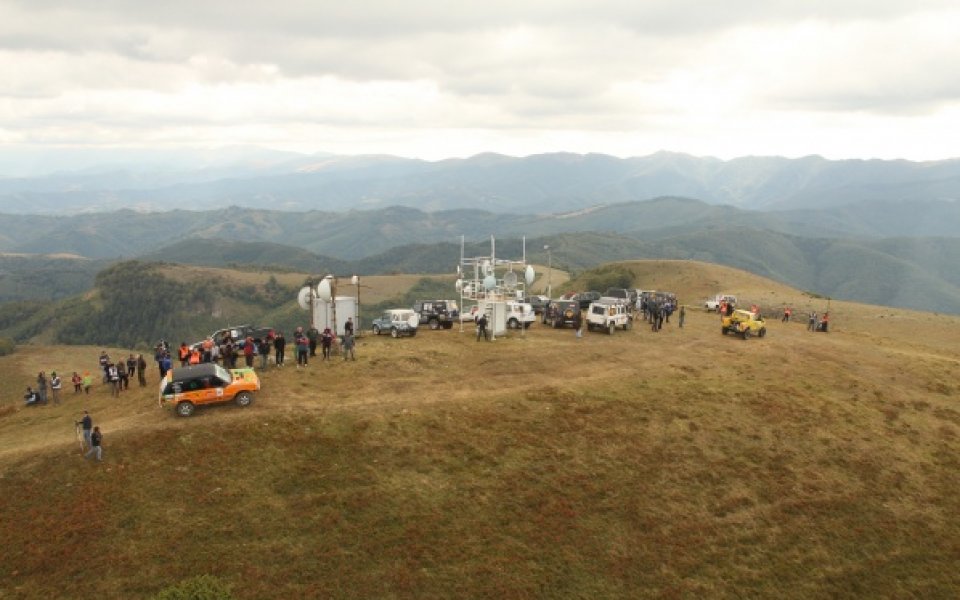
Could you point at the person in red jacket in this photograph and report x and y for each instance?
(248, 347)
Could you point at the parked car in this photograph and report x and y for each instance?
(744, 323)
(539, 303)
(561, 312)
(437, 313)
(520, 314)
(713, 304)
(585, 298)
(608, 314)
(196, 385)
(626, 295)
(238, 333)
(397, 322)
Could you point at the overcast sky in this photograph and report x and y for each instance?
(432, 79)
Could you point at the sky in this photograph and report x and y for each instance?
(433, 80)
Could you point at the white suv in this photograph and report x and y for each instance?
(608, 314)
(520, 313)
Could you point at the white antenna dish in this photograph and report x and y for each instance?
(303, 298)
(529, 275)
(413, 321)
(458, 285)
(323, 290)
(510, 280)
(489, 282)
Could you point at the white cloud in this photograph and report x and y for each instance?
(844, 78)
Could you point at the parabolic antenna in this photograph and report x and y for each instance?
(529, 275)
(458, 285)
(303, 298)
(413, 321)
(510, 280)
(489, 282)
(323, 290)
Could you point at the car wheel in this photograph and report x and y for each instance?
(723, 330)
(448, 325)
(611, 328)
(746, 334)
(434, 324)
(527, 324)
(413, 333)
(244, 399)
(762, 332)
(513, 324)
(376, 330)
(394, 332)
(185, 409)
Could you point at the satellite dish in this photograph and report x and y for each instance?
(303, 298)
(458, 285)
(489, 282)
(510, 280)
(323, 290)
(529, 275)
(468, 289)
(413, 321)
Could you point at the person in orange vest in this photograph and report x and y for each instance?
(824, 321)
(722, 308)
(207, 350)
(787, 313)
(195, 356)
(184, 354)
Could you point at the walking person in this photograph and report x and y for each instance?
(683, 315)
(55, 386)
(141, 370)
(131, 366)
(122, 374)
(87, 423)
(578, 322)
(96, 444)
(348, 345)
(104, 361)
(87, 382)
(113, 376)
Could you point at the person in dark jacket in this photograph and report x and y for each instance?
(141, 370)
(96, 444)
(313, 335)
(87, 424)
(482, 327)
(279, 347)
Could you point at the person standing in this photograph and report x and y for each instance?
(348, 344)
(263, 347)
(812, 321)
(482, 327)
(165, 364)
(683, 315)
(131, 366)
(87, 424)
(348, 326)
(55, 386)
(279, 347)
(141, 370)
(96, 444)
(42, 387)
(313, 334)
(578, 323)
(87, 382)
(104, 361)
(77, 382)
(113, 377)
(303, 348)
(248, 348)
(326, 342)
(122, 374)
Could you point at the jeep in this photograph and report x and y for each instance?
(745, 323)
(396, 322)
(561, 312)
(437, 313)
(209, 383)
(608, 314)
(519, 313)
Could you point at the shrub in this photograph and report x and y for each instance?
(202, 587)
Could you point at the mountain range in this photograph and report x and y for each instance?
(545, 183)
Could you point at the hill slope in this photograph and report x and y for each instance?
(678, 463)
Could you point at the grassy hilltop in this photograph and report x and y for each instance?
(678, 464)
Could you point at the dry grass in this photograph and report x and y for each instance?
(679, 464)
